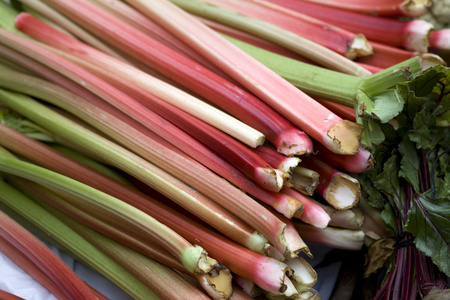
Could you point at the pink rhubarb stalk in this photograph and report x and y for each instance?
(388, 8)
(339, 189)
(411, 34)
(44, 258)
(440, 39)
(344, 42)
(9, 296)
(26, 264)
(171, 94)
(202, 81)
(321, 124)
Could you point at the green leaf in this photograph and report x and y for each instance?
(387, 105)
(428, 222)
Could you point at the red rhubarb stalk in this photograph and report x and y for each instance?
(202, 81)
(358, 163)
(203, 180)
(339, 135)
(277, 160)
(388, 8)
(9, 296)
(313, 213)
(44, 258)
(235, 152)
(52, 93)
(344, 42)
(339, 189)
(164, 91)
(146, 25)
(71, 27)
(410, 34)
(26, 264)
(440, 39)
(385, 56)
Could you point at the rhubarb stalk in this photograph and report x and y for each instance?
(192, 257)
(280, 36)
(410, 34)
(388, 8)
(44, 258)
(337, 134)
(341, 41)
(71, 241)
(262, 220)
(339, 189)
(202, 81)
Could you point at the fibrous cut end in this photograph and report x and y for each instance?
(344, 136)
(343, 192)
(359, 47)
(416, 8)
(218, 282)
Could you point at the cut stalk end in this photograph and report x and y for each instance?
(343, 137)
(359, 47)
(415, 8)
(294, 143)
(304, 180)
(343, 192)
(270, 179)
(303, 272)
(418, 35)
(196, 260)
(429, 60)
(217, 283)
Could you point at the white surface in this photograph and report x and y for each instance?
(16, 281)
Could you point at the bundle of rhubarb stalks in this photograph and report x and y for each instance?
(193, 149)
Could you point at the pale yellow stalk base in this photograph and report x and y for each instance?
(343, 137)
(359, 47)
(218, 283)
(303, 272)
(343, 192)
(419, 7)
(196, 260)
(304, 180)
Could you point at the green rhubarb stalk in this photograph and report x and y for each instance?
(45, 221)
(193, 257)
(372, 97)
(169, 186)
(243, 206)
(162, 280)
